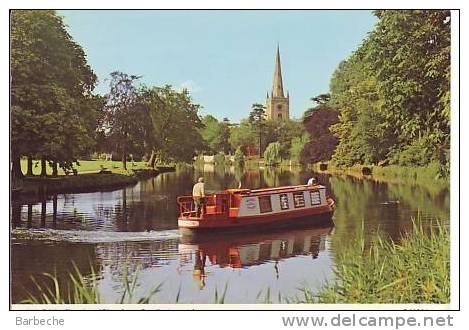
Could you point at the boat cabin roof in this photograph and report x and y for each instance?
(274, 190)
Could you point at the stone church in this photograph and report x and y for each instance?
(278, 106)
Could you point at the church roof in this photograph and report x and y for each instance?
(277, 87)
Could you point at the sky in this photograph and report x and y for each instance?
(225, 58)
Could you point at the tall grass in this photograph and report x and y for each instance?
(85, 290)
(415, 270)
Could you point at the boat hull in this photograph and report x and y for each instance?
(311, 217)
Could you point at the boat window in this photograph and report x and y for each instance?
(299, 199)
(315, 198)
(284, 202)
(265, 204)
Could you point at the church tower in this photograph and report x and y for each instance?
(278, 106)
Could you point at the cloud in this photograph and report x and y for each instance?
(191, 86)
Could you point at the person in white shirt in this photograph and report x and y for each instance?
(198, 194)
(312, 181)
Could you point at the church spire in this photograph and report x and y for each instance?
(277, 88)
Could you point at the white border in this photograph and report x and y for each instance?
(263, 319)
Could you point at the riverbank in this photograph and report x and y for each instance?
(89, 182)
(429, 175)
(415, 270)
(91, 176)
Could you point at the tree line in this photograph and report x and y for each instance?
(56, 117)
(255, 136)
(389, 102)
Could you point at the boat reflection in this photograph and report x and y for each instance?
(246, 250)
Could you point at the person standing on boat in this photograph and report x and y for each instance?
(198, 194)
(312, 181)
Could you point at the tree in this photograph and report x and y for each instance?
(213, 133)
(272, 154)
(51, 91)
(176, 124)
(127, 120)
(297, 150)
(257, 120)
(226, 136)
(243, 136)
(411, 55)
(318, 121)
(239, 157)
(393, 92)
(321, 98)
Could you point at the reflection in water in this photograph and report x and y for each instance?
(243, 251)
(135, 227)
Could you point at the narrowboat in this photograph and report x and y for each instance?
(257, 209)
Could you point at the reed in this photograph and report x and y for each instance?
(49, 290)
(415, 270)
(85, 290)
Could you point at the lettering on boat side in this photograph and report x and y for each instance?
(299, 199)
(315, 198)
(251, 203)
(284, 202)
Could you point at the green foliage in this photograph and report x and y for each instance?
(220, 159)
(272, 154)
(175, 124)
(85, 290)
(393, 93)
(419, 153)
(54, 114)
(284, 131)
(257, 121)
(127, 122)
(297, 149)
(317, 122)
(242, 136)
(216, 134)
(239, 157)
(415, 270)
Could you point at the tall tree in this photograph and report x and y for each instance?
(257, 120)
(393, 92)
(51, 91)
(212, 133)
(243, 136)
(127, 120)
(322, 142)
(411, 55)
(176, 123)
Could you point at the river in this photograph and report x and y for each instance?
(133, 232)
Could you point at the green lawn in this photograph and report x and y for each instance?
(87, 166)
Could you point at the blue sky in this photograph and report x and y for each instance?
(226, 58)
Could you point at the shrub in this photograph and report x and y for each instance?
(239, 157)
(272, 154)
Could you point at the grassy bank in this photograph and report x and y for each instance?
(88, 166)
(75, 183)
(392, 173)
(414, 270)
(92, 175)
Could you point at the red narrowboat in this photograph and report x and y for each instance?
(246, 209)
